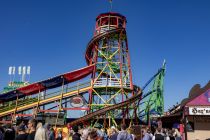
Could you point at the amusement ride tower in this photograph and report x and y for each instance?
(111, 77)
(108, 94)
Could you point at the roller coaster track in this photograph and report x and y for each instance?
(30, 103)
(33, 102)
(136, 98)
(103, 111)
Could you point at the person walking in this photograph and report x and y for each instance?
(52, 134)
(32, 129)
(146, 135)
(76, 135)
(123, 134)
(40, 133)
(114, 134)
(60, 136)
(9, 132)
(158, 135)
(21, 133)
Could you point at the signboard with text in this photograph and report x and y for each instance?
(77, 101)
(199, 110)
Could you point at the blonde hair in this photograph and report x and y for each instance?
(40, 132)
(177, 133)
(39, 125)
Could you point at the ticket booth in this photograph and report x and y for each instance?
(197, 117)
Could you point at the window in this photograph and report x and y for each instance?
(98, 23)
(113, 21)
(120, 23)
(104, 21)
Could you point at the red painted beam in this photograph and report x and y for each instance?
(77, 108)
(48, 111)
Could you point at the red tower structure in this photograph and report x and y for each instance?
(110, 83)
(111, 77)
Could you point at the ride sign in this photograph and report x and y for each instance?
(77, 101)
(199, 110)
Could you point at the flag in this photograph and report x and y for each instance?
(19, 70)
(24, 70)
(13, 70)
(10, 71)
(110, 1)
(28, 70)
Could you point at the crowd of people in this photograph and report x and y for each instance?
(162, 134)
(37, 131)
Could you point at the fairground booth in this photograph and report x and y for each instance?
(192, 116)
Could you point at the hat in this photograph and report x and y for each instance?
(21, 128)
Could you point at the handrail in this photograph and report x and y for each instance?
(35, 99)
(45, 101)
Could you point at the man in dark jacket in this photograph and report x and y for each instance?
(114, 134)
(9, 133)
(21, 133)
(158, 135)
(76, 135)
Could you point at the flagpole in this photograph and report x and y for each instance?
(110, 1)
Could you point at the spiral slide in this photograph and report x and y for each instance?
(44, 85)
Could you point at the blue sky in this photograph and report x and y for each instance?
(51, 36)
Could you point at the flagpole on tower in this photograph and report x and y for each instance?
(110, 1)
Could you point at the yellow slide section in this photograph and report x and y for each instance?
(45, 101)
